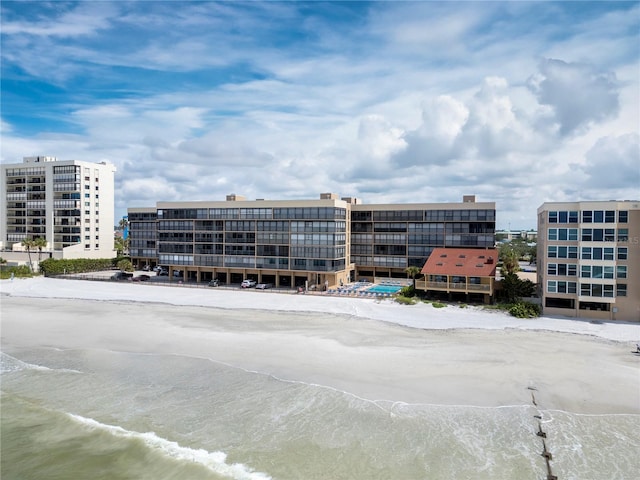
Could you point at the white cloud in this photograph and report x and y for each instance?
(578, 93)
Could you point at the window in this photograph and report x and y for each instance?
(553, 234)
(623, 216)
(573, 217)
(621, 271)
(552, 269)
(553, 217)
(598, 216)
(622, 253)
(623, 234)
(621, 290)
(587, 216)
(587, 234)
(552, 286)
(610, 216)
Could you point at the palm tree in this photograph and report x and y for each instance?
(28, 244)
(413, 271)
(39, 243)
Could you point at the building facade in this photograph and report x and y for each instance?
(589, 259)
(69, 203)
(301, 242)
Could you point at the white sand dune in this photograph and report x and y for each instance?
(451, 355)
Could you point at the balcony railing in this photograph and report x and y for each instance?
(451, 286)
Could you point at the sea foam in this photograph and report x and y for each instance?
(216, 462)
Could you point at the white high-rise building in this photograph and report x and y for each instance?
(69, 203)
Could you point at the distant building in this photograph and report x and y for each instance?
(588, 260)
(69, 203)
(527, 235)
(291, 243)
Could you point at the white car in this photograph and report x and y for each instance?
(248, 283)
(263, 286)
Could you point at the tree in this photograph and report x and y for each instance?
(509, 258)
(413, 271)
(125, 265)
(29, 244)
(121, 245)
(513, 288)
(39, 243)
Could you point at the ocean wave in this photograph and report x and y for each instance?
(10, 364)
(216, 462)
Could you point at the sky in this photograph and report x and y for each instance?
(517, 103)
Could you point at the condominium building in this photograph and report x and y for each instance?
(589, 259)
(69, 203)
(302, 242)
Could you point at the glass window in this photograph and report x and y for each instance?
(562, 217)
(622, 253)
(553, 217)
(573, 217)
(553, 234)
(551, 286)
(587, 234)
(587, 216)
(623, 216)
(552, 269)
(623, 234)
(598, 216)
(610, 216)
(621, 290)
(621, 271)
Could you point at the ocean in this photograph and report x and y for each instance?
(99, 414)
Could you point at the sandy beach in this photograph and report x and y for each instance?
(374, 350)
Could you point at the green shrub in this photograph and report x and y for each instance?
(438, 305)
(406, 300)
(20, 271)
(408, 291)
(52, 266)
(524, 310)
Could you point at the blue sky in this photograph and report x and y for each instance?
(515, 102)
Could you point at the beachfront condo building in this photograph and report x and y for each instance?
(589, 259)
(69, 203)
(293, 243)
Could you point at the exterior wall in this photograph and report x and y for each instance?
(237, 239)
(589, 259)
(285, 243)
(143, 236)
(68, 203)
(386, 239)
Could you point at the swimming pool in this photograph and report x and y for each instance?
(384, 289)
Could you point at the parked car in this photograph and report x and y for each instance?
(141, 278)
(162, 272)
(214, 283)
(248, 283)
(121, 276)
(263, 286)
(146, 268)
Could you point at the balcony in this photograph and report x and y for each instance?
(14, 197)
(453, 286)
